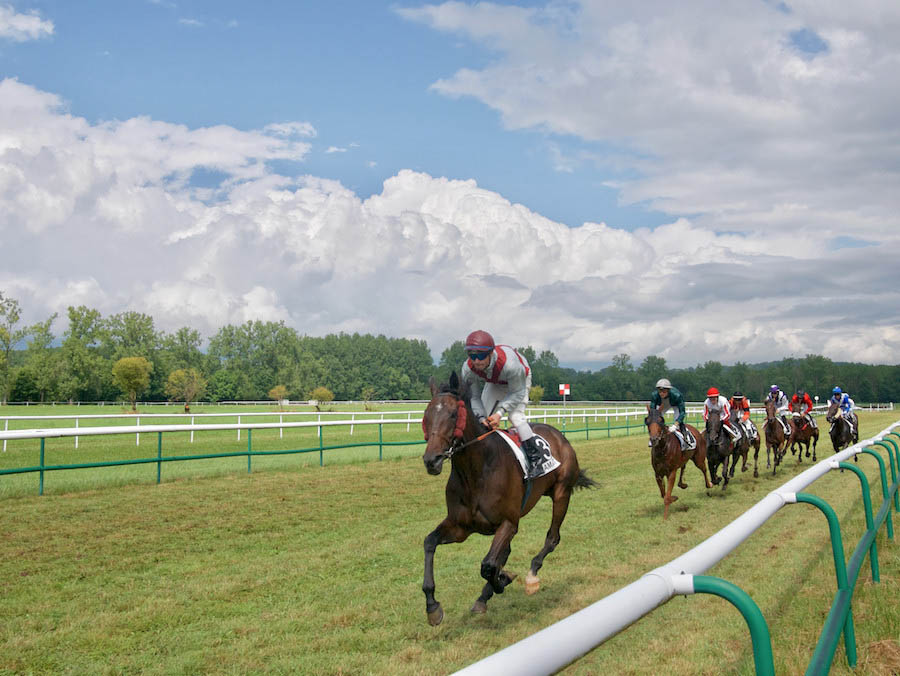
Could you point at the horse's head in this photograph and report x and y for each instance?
(832, 411)
(770, 409)
(444, 422)
(714, 425)
(656, 426)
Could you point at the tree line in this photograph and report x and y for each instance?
(265, 360)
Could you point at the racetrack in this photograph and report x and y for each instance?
(318, 570)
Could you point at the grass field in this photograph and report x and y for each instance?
(318, 570)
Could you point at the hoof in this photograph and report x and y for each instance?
(532, 584)
(682, 485)
(479, 607)
(755, 474)
(436, 616)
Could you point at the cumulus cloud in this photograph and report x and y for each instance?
(745, 115)
(105, 215)
(20, 27)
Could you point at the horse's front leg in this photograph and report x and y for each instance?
(492, 565)
(446, 532)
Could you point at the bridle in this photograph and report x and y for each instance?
(457, 444)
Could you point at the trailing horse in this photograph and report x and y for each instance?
(841, 433)
(742, 445)
(719, 448)
(667, 456)
(776, 441)
(486, 492)
(803, 433)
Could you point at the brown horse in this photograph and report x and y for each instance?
(803, 433)
(841, 433)
(667, 458)
(485, 490)
(719, 448)
(776, 441)
(742, 445)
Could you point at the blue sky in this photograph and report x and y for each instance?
(588, 177)
(356, 70)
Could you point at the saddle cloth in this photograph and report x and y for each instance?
(547, 464)
(688, 444)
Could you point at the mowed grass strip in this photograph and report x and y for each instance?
(319, 570)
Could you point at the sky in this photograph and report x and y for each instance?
(697, 180)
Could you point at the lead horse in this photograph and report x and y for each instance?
(667, 456)
(485, 491)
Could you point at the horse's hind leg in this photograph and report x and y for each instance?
(560, 498)
(445, 533)
(681, 483)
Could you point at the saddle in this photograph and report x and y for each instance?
(547, 462)
(687, 444)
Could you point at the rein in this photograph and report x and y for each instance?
(456, 445)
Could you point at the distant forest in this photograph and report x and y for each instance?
(246, 362)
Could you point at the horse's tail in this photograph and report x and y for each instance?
(583, 481)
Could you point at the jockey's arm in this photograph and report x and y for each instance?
(518, 394)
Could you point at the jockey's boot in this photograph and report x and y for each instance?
(533, 453)
(786, 426)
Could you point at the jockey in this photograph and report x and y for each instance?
(666, 397)
(716, 402)
(802, 406)
(500, 378)
(781, 406)
(846, 404)
(741, 406)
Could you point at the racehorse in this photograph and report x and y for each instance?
(840, 432)
(742, 445)
(719, 448)
(802, 432)
(775, 438)
(485, 491)
(667, 457)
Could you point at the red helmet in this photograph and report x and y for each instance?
(479, 341)
(712, 392)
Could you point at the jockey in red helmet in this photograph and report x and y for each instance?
(801, 405)
(716, 402)
(499, 379)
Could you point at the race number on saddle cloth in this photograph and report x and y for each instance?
(545, 465)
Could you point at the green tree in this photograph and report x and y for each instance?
(185, 385)
(535, 394)
(10, 336)
(132, 376)
(84, 370)
(451, 360)
(42, 362)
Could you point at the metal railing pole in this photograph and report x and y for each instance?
(759, 630)
(158, 457)
(870, 522)
(840, 571)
